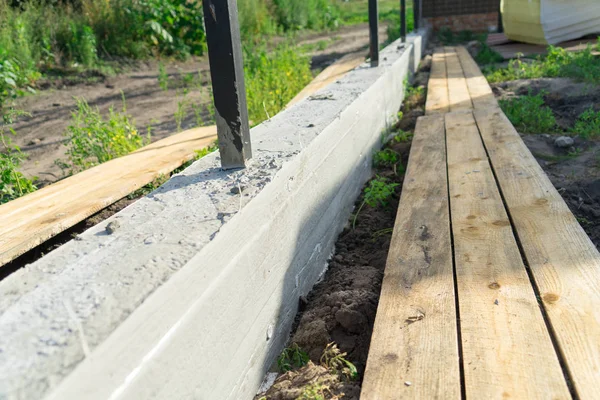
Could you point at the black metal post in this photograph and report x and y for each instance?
(403, 20)
(229, 90)
(416, 14)
(500, 23)
(374, 32)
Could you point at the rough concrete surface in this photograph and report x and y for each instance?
(251, 241)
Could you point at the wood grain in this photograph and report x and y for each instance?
(458, 92)
(479, 90)
(437, 89)
(507, 349)
(414, 348)
(563, 260)
(35, 218)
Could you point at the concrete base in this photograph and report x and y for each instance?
(195, 293)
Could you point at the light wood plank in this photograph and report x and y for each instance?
(479, 89)
(437, 89)
(458, 92)
(414, 347)
(507, 350)
(329, 75)
(35, 218)
(564, 262)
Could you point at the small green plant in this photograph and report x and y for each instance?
(334, 360)
(588, 124)
(315, 391)
(92, 140)
(377, 193)
(207, 150)
(403, 137)
(150, 187)
(529, 114)
(291, 358)
(13, 183)
(180, 114)
(386, 158)
(163, 77)
(487, 55)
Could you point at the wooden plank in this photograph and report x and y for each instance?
(35, 218)
(329, 75)
(414, 347)
(458, 92)
(507, 351)
(564, 262)
(479, 89)
(437, 89)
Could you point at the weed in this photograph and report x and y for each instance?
(487, 55)
(292, 357)
(377, 193)
(529, 114)
(163, 77)
(588, 124)
(582, 66)
(315, 391)
(335, 361)
(273, 79)
(180, 114)
(13, 184)
(403, 137)
(584, 221)
(149, 188)
(386, 158)
(207, 150)
(92, 140)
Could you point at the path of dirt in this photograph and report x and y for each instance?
(342, 307)
(41, 135)
(575, 170)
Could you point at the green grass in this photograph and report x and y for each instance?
(93, 140)
(583, 66)
(529, 114)
(13, 184)
(273, 79)
(588, 124)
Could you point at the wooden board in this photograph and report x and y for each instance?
(414, 347)
(479, 90)
(458, 92)
(564, 262)
(507, 351)
(35, 218)
(437, 89)
(329, 75)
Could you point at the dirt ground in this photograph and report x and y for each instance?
(41, 134)
(342, 307)
(574, 171)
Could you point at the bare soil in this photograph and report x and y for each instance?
(342, 307)
(41, 135)
(574, 171)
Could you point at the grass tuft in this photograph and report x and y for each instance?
(529, 114)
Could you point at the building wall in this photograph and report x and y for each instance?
(458, 15)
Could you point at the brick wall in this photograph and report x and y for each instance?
(443, 8)
(459, 15)
(471, 22)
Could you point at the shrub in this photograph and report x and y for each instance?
(529, 114)
(306, 14)
(92, 140)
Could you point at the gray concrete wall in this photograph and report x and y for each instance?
(194, 295)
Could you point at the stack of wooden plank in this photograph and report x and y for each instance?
(492, 288)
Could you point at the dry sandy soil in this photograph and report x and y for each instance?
(41, 134)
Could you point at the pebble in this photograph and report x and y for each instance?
(112, 227)
(564, 141)
(407, 383)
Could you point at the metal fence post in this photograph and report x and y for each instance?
(403, 20)
(227, 73)
(500, 22)
(374, 32)
(416, 14)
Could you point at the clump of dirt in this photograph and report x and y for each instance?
(309, 382)
(567, 98)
